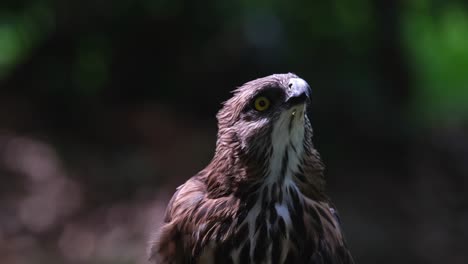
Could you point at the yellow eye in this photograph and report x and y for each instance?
(261, 103)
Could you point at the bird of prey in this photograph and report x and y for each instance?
(262, 197)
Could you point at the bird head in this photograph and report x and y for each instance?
(265, 114)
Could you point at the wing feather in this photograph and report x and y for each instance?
(172, 243)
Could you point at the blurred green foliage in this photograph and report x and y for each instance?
(20, 32)
(437, 42)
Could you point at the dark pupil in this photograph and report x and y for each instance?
(262, 103)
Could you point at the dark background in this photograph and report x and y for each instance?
(107, 106)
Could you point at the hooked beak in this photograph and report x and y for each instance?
(298, 92)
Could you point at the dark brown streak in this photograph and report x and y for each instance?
(284, 165)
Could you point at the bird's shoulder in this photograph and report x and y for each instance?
(166, 246)
(185, 198)
(192, 220)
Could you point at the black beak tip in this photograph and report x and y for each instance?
(297, 99)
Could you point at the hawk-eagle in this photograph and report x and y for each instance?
(262, 197)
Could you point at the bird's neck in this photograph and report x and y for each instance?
(288, 165)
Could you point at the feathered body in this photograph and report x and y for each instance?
(261, 199)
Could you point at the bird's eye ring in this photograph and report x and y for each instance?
(262, 103)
